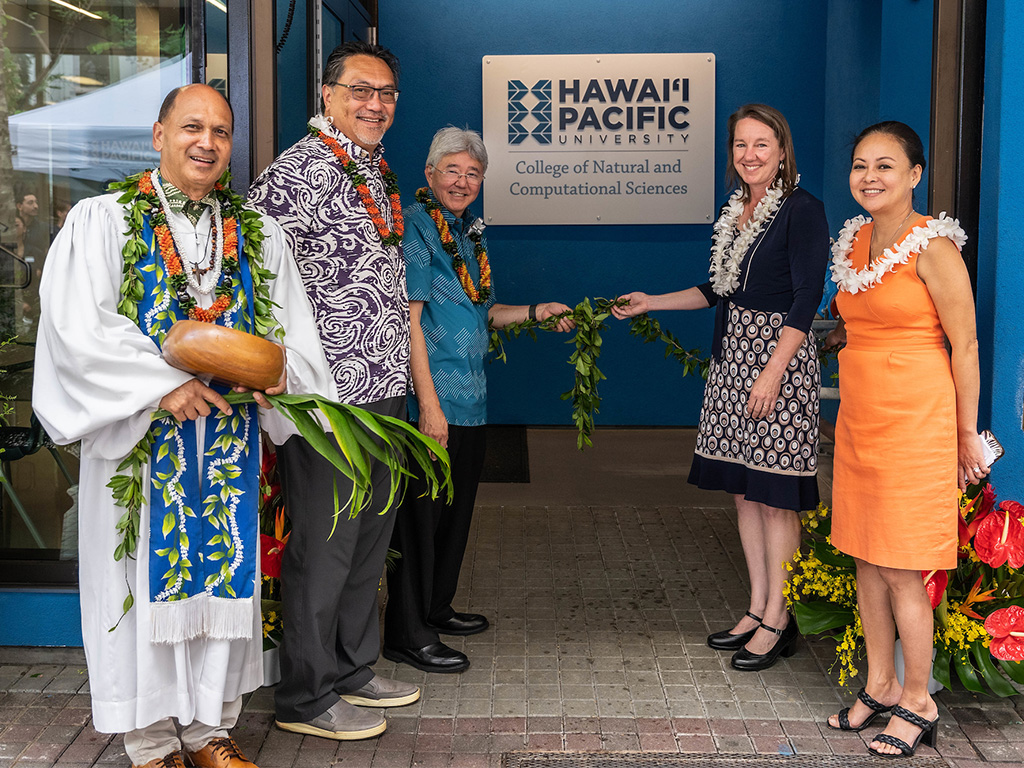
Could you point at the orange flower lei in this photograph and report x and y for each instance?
(177, 279)
(477, 296)
(387, 236)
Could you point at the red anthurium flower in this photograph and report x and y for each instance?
(1007, 629)
(271, 550)
(935, 585)
(1015, 509)
(1000, 539)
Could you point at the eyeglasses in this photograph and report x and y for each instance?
(387, 94)
(454, 176)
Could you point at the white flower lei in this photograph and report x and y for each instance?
(850, 280)
(729, 248)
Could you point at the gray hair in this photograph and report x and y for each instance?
(452, 140)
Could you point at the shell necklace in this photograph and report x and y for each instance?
(729, 246)
(202, 281)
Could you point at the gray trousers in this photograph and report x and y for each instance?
(329, 582)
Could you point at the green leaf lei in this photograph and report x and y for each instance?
(589, 319)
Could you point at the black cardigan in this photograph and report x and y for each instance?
(783, 270)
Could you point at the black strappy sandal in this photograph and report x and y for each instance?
(844, 716)
(727, 641)
(929, 734)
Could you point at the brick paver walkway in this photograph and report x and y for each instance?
(599, 612)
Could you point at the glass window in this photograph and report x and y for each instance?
(82, 84)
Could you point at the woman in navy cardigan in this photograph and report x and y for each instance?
(758, 433)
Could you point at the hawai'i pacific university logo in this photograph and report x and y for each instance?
(518, 111)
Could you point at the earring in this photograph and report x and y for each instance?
(330, 120)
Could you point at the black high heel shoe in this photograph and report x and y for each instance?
(929, 734)
(844, 715)
(727, 641)
(785, 646)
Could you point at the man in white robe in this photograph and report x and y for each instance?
(99, 379)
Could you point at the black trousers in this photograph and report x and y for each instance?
(329, 582)
(431, 535)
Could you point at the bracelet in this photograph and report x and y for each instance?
(532, 312)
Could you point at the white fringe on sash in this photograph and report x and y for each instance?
(202, 616)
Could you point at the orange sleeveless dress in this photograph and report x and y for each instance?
(895, 489)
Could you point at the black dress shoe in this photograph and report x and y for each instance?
(436, 657)
(727, 641)
(461, 624)
(785, 646)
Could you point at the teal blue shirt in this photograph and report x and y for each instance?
(454, 328)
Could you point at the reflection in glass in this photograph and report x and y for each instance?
(82, 84)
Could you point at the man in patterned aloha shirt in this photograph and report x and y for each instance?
(338, 204)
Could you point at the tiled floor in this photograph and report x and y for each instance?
(602, 578)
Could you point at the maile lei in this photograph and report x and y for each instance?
(476, 295)
(147, 230)
(853, 281)
(348, 165)
(729, 246)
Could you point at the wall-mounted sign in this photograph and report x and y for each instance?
(602, 139)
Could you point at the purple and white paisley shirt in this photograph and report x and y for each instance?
(355, 285)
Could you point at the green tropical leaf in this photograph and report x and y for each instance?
(829, 556)
(998, 684)
(940, 667)
(967, 674)
(1015, 669)
(818, 616)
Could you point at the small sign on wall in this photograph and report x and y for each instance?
(600, 139)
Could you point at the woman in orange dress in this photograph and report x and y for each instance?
(907, 430)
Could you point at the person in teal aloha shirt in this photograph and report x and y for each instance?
(451, 301)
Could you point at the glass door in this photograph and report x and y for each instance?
(81, 85)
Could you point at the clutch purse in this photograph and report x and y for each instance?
(228, 355)
(991, 449)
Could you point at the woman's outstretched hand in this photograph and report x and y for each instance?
(636, 304)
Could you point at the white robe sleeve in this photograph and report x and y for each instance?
(307, 368)
(98, 378)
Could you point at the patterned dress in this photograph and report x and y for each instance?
(771, 460)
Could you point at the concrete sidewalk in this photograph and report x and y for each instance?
(602, 578)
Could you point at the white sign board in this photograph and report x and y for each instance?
(600, 139)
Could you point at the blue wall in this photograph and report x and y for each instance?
(1001, 242)
(819, 62)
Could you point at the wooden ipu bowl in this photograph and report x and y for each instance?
(231, 356)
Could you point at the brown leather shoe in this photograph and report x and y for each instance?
(173, 760)
(220, 753)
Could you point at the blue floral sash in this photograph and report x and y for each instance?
(204, 497)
